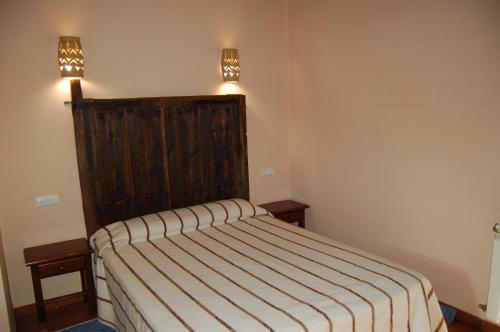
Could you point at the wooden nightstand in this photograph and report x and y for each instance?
(56, 259)
(288, 210)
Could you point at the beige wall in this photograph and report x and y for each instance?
(395, 132)
(132, 48)
(395, 123)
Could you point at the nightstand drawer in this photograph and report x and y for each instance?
(65, 266)
(291, 217)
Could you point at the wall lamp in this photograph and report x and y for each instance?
(230, 65)
(70, 56)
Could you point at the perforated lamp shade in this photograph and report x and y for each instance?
(230, 65)
(70, 57)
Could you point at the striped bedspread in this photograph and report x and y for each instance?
(230, 266)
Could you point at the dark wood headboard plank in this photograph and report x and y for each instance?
(143, 155)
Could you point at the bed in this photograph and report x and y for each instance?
(179, 247)
(230, 266)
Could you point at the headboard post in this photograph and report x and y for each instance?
(144, 155)
(76, 91)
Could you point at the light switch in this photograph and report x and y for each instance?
(45, 201)
(269, 171)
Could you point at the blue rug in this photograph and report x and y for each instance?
(93, 325)
(449, 313)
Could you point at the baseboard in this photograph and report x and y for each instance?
(50, 304)
(475, 322)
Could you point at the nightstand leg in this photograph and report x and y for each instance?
(84, 288)
(89, 283)
(302, 223)
(37, 287)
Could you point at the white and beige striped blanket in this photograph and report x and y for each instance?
(230, 266)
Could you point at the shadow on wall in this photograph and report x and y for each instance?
(6, 310)
(450, 282)
(428, 266)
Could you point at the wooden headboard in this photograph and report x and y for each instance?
(144, 155)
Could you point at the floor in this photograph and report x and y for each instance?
(457, 327)
(57, 319)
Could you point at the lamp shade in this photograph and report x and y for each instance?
(230, 65)
(70, 57)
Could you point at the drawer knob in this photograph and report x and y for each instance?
(61, 268)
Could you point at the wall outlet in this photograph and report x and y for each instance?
(45, 201)
(266, 172)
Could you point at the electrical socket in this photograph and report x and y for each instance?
(45, 201)
(269, 171)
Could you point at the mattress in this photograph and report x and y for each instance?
(231, 266)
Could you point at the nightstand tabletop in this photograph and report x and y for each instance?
(284, 206)
(56, 251)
